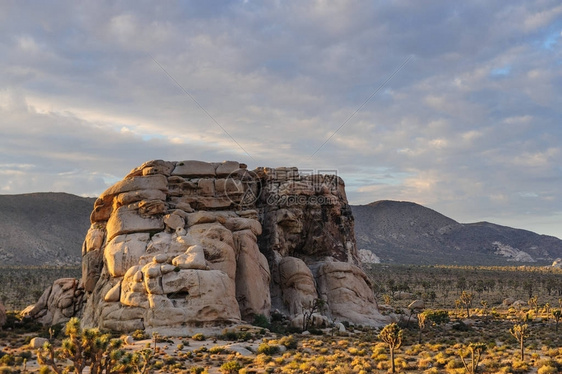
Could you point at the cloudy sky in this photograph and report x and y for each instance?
(453, 105)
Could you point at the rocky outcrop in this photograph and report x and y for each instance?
(177, 246)
(63, 300)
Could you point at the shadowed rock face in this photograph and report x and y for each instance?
(177, 245)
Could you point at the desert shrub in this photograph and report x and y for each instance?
(7, 360)
(315, 331)
(230, 367)
(197, 369)
(262, 359)
(245, 336)
(26, 355)
(431, 371)
(198, 337)
(218, 349)
(268, 349)
(547, 369)
(229, 335)
(169, 360)
(437, 317)
(139, 335)
(520, 366)
(454, 364)
(5, 370)
(289, 342)
(158, 364)
(261, 320)
(424, 363)
(460, 326)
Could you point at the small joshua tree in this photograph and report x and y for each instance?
(85, 348)
(466, 301)
(534, 303)
(421, 324)
(141, 360)
(308, 312)
(519, 332)
(484, 304)
(475, 351)
(391, 335)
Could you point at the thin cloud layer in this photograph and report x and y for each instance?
(470, 126)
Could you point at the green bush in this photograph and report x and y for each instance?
(261, 321)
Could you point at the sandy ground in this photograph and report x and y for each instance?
(164, 348)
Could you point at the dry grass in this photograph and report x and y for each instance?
(359, 350)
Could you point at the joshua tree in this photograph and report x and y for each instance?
(484, 304)
(141, 360)
(421, 324)
(308, 311)
(534, 303)
(391, 335)
(519, 332)
(475, 351)
(85, 348)
(466, 301)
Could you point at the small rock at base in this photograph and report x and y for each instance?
(37, 342)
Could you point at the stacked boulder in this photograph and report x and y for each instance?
(177, 246)
(61, 301)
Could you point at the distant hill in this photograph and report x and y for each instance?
(43, 228)
(408, 233)
(49, 228)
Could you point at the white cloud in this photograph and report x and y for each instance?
(470, 122)
(542, 18)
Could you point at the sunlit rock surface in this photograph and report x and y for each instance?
(191, 244)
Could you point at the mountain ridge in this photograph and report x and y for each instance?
(48, 228)
(406, 232)
(43, 228)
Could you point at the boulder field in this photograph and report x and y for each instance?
(177, 246)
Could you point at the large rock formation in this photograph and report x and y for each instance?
(63, 300)
(178, 245)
